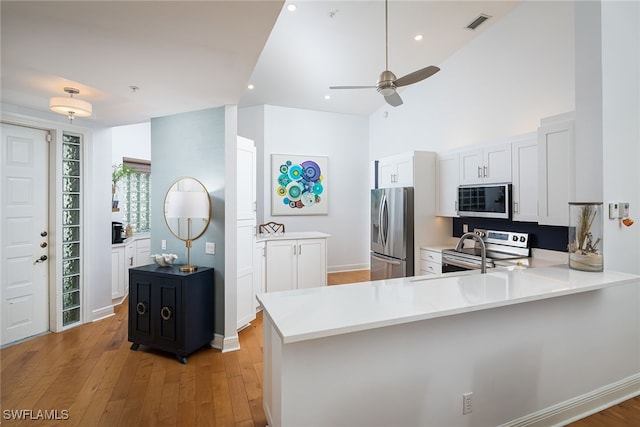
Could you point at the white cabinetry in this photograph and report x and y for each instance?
(296, 263)
(447, 178)
(396, 171)
(246, 231)
(133, 252)
(524, 164)
(260, 271)
(118, 272)
(556, 184)
(430, 261)
(486, 165)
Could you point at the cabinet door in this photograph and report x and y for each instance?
(140, 308)
(312, 263)
(281, 265)
(143, 252)
(404, 171)
(497, 164)
(555, 185)
(447, 178)
(246, 271)
(168, 312)
(386, 173)
(471, 166)
(259, 275)
(524, 162)
(118, 272)
(246, 179)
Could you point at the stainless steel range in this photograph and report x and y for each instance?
(500, 245)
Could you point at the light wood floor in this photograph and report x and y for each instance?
(90, 372)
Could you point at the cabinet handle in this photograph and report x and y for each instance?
(479, 172)
(299, 249)
(515, 207)
(484, 171)
(166, 313)
(131, 261)
(295, 248)
(141, 308)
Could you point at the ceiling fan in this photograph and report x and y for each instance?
(387, 82)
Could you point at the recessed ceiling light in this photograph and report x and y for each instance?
(292, 7)
(418, 37)
(250, 86)
(327, 97)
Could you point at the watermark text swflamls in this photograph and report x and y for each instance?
(35, 414)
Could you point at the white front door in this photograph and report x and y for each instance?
(24, 293)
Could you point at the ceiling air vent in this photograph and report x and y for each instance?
(478, 21)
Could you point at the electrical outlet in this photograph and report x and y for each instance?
(164, 245)
(465, 228)
(467, 403)
(210, 248)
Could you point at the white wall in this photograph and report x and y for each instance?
(519, 70)
(131, 141)
(344, 140)
(621, 129)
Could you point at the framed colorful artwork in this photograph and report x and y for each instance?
(299, 185)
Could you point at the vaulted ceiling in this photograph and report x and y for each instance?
(189, 55)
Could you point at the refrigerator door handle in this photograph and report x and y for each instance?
(387, 260)
(384, 221)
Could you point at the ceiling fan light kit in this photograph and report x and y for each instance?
(70, 107)
(387, 82)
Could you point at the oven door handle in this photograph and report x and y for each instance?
(460, 263)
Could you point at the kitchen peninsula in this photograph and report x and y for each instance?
(403, 352)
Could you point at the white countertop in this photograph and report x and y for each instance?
(296, 235)
(305, 314)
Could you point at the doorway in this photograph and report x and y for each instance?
(24, 231)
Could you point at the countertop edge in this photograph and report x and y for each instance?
(299, 337)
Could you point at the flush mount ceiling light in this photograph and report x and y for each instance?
(70, 107)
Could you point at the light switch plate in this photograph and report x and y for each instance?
(210, 248)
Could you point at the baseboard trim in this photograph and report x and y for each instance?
(347, 267)
(102, 313)
(581, 406)
(225, 344)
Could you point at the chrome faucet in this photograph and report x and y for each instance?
(483, 268)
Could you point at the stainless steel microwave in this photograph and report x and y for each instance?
(485, 201)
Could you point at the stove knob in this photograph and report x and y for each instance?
(522, 238)
(514, 238)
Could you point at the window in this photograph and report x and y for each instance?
(137, 187)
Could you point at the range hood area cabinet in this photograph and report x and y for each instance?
(486, 165)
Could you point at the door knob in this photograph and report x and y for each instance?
(43, 258)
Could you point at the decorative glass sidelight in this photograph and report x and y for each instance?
(585, 236)
(71, 228)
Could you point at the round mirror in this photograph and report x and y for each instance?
(187, 208)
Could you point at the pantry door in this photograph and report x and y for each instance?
(24, 296)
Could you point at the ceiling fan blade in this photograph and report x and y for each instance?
(352, 87)
(394, 99)
(416, 76)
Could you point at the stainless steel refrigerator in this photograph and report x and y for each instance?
(392, 252)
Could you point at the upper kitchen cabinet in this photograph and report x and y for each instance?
(396, 171)
(486, 165)
(524, 164)
(447, 178)
(556, 185)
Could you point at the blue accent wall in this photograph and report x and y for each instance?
(191, 145)
(540, 236)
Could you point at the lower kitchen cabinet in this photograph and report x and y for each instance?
(296, 264)
(430, 261)
(170, 310)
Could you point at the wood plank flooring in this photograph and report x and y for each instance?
(91, 378)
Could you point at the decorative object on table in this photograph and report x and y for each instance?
(585, 236)
(299, 185)
(187, 213)
(271, 229)
(164, 260)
